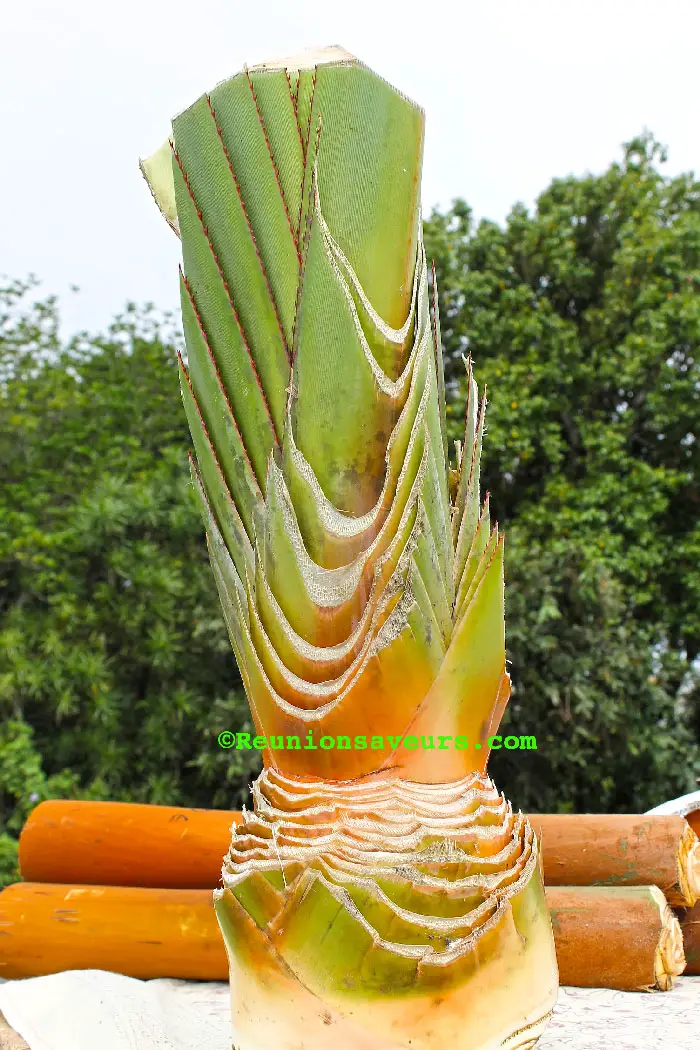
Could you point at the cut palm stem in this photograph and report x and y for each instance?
(621, 850)
(622, 937)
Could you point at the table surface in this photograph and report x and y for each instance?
(9, 1040)
(584, 1018)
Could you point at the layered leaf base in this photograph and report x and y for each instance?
(381, 914)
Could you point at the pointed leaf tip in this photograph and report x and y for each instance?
(157, 170)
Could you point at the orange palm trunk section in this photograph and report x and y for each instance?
(144, 933)
(148, 933)
(126, 844)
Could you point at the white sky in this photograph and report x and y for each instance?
(515, 93)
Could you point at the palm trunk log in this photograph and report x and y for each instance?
(381, 894)
(149, 933)
(125, 844)
(622, 937)
(144, 933)
(621, 850)
(690, 925)
(131, 844)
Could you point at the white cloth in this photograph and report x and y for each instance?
(680, 806)
(95, 1010)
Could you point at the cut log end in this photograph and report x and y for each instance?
(669, 961)
(307, 59)
(688, 869)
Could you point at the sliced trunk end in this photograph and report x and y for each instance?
(306, 59)
(688, 870)
(669, 961)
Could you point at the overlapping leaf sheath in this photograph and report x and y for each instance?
(378, 887)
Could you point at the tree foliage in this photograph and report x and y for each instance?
(583, 318)
(116, 673)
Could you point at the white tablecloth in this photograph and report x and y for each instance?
(95, 1010)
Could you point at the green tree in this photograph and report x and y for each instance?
(583, 318)
(116, 673)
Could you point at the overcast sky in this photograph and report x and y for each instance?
(515, 92)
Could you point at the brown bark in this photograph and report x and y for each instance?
(690, 925)
(124, 844)
(621, 850)
(693, 819)
(622, 937)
